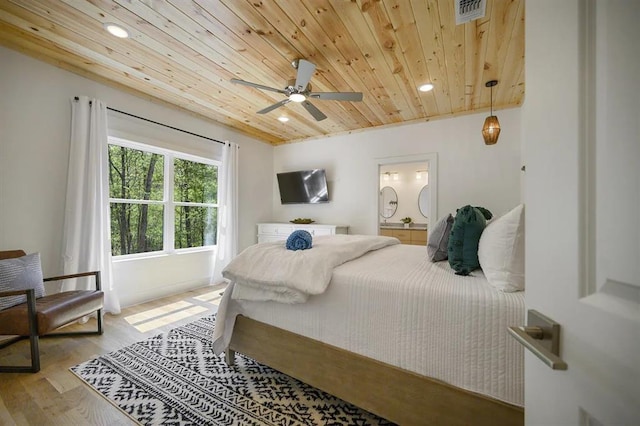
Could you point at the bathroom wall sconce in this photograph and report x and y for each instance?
(389, 175)
(491, 128)
(419, 174)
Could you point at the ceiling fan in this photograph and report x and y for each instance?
(299, 90)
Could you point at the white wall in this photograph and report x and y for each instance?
(35, 118)
(469, 171)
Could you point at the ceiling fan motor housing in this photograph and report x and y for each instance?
(291, 88)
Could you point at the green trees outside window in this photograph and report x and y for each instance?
(195, 187)
(150, 212)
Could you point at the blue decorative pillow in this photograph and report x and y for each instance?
(20, 273)
(299, 240)
(465, 236)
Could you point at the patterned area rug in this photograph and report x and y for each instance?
(175, 379)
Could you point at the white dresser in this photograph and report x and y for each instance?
(280, 231)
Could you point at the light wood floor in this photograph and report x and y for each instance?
(55, 396)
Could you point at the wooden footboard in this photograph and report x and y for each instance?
(397, 395)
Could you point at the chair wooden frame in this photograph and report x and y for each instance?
(33, 321)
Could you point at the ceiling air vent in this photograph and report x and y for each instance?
(468, 10)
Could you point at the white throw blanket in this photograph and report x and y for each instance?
(269, 271)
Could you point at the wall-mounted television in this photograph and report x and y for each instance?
(303, 187)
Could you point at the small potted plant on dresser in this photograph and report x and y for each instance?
(407, 221)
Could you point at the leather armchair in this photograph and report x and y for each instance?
(41, 317)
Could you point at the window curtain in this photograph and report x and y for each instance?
(86, 239)
(227, 246)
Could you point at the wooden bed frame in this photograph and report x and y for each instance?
(397, 395)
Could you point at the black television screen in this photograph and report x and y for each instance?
(303, 187)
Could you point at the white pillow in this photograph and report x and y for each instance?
(501, 251)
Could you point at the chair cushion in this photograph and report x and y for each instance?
(52, 311)
(20, 274)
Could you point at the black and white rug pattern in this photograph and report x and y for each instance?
(175, 379)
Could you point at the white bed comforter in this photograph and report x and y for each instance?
(269, 271)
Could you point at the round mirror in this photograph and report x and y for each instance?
(388, 202)
(423, 201)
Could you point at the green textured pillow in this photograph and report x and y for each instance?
(465, 236)
(486, 213)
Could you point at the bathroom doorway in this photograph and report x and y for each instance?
(407, 189)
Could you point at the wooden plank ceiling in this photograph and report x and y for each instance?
(184, 53)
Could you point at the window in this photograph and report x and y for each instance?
(161, 201)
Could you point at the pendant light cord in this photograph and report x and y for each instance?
(492, 100)
(490, 85)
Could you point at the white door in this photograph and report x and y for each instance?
(581, 148)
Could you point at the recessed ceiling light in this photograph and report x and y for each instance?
(426, 87)
(283, 119)
(116, 30)
(297, 97)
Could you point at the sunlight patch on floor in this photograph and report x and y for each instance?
(157, 312)
(212, 297)
(172, 312)
(169, 319)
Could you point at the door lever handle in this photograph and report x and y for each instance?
(542, 337)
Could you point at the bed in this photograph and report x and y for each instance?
(395, 334)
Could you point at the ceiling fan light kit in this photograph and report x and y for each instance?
(299, 91)
(491, 128)
(297, 97)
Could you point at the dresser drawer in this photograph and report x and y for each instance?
(280, 231)
(270, 238)
(275, 229)
(318, 231)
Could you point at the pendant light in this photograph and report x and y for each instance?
(491, 128)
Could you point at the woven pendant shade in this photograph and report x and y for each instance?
(491, 130)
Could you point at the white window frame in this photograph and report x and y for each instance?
(168, 228)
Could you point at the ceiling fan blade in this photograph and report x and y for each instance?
(337, 96)
(257, 86)
(317, 114)
(274, 106)
(305, 72)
